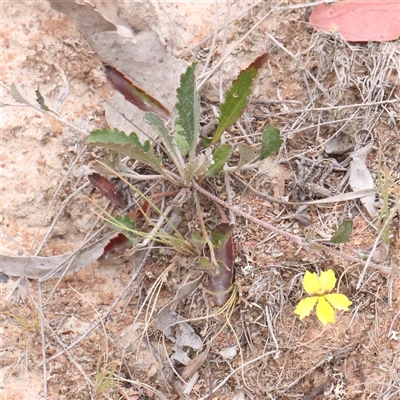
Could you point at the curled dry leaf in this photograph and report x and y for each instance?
(134, 94)
(117, 246)
(52, 267)
(195, 364)
(361, 178)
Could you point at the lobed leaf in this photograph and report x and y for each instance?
(188, 107)
(180, 140)
(168, 141)
(236, 97)
(134, 94)
(198, 166)
(271, 141)
(128, 145)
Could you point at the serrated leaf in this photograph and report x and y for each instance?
(271, 141)
(133, 93)
(220, 234)
(247, 154)
(220, 156)
(168, 140)
(343, 233)
(188, 107)
(128, 145)
(40, 100)
(236, 97)
(18, 94)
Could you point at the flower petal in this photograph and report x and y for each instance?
(339, 301)
(328, 281)
(305, 307)
(325, 311)
(311, 283)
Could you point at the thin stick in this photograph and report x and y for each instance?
(241, 40)
(387, 222)
(111, 308)
(207, 38)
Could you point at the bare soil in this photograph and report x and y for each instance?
(312, 88)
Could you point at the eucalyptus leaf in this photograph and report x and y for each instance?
(271, 141)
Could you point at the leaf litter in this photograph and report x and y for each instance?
(271, 281)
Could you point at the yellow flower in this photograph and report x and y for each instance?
(319, 288)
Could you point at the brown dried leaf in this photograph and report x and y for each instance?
(107, 189)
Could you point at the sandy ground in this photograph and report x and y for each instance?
(44, 161)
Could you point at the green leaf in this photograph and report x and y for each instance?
(205, 264)
(220, 156)
(128, 145)
(205, 141)
(236, 97)
(196, 238)
(126, 226)
(188, 107)
(134, 94)
(342, 235)
(271, 141)
(168, 140)
(181, 142)
(220, 234)
(40, 100)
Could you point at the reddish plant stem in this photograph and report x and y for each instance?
(289, 236)
(293, 238)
